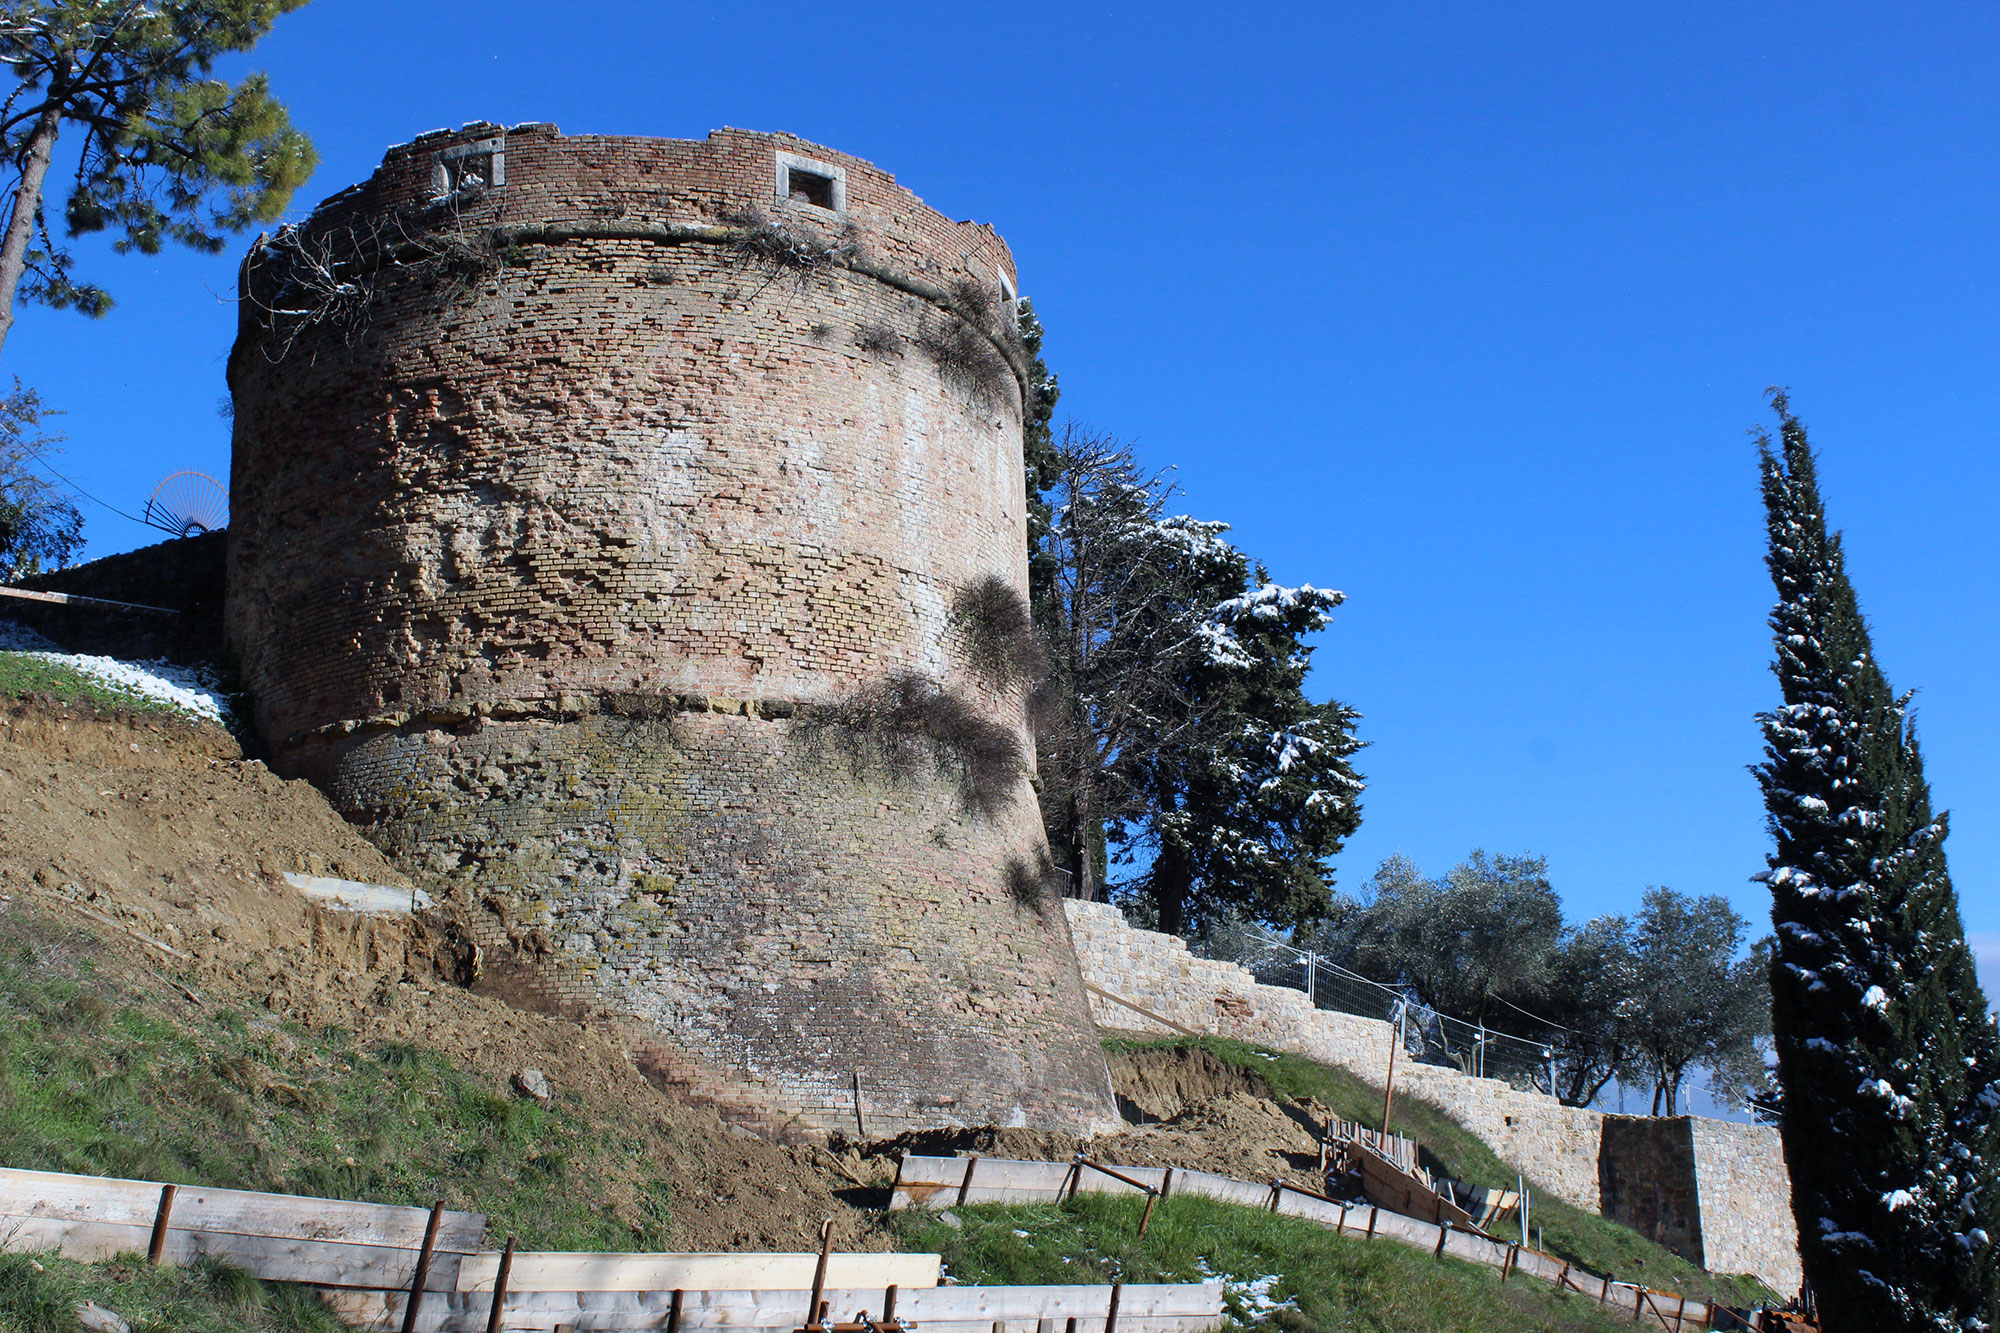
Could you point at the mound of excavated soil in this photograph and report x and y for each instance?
(161, 839)
(1186, 1108)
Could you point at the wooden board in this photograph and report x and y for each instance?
(698, 1272)
(1405, 1192)
(274, 1259)
(54, 1196)
(1185, 1307)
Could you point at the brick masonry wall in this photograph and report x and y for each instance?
(1739, 1176)
(185, 575)
(550, 564)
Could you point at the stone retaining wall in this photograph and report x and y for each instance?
(1744, 1222)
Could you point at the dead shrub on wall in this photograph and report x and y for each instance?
(303, 279)
(879, 340)
(997, 630)
(1032, 883)
(780, 250)
(965, 358)
(909, 725)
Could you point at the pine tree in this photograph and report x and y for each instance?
(1255, 795)
(163, 152)
(1887, 1060)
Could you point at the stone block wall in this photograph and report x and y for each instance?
(1722, 1193)
(1745, 1193)
(1646, 1179)
(599, 533)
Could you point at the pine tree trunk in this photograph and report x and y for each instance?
(1086, 863)
(27, 205)
(1169, 885)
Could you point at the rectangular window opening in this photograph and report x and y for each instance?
(809, 187)
(474, 171)
(469, 168)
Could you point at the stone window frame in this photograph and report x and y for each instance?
(1010, 295)
(786, 163)
(447, 177)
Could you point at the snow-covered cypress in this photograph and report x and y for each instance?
(1887, 1058)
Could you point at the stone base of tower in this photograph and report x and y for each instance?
(761, 907)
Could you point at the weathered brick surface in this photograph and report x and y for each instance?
(1735, 1173)
(539, 564)
(184, 575)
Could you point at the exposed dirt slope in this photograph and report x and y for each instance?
(1185, 1108)
(159, 839)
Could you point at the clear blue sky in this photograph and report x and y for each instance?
(1463, 309)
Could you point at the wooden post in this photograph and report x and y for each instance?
(966, 1183)
(1111, 1315)
(156, 1246)
(673, 1313)
(860, 1128)
(1507, 1264)
(423, 1268)
(500, 1294)
(1372, 1210)
(1340, 1222)
(813, 1313)
(889, 1304)
(1389, 1083)
(1276, 1186)
(1444, 1234)
(1680, 1312)
(1146, 1217)
(1167, 1182)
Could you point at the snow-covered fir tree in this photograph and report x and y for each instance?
(1175, 716)
(1246, 809)
(1887, 1058)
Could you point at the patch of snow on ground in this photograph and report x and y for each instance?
(1250, 1294)
(18, 638)
(190, 689)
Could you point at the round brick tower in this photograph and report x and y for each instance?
(629, 534)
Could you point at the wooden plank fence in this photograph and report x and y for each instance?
(564, 1271)
(1176, 1308)
(364, 1258)
(944, 1182)
(282, 1237)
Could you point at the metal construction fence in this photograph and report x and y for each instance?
(1428, 1035)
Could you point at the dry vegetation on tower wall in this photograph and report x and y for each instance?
(580, 533)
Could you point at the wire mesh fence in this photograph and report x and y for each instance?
(1525, 1061)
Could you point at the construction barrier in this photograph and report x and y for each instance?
(945, 1182)
(366, 1259)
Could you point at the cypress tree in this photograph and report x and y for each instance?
(1887, 1058)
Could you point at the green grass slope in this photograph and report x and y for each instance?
(97, 1085)
(42, 1295)
(1604, 1247)
(24, 675)
(1324, 1283)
